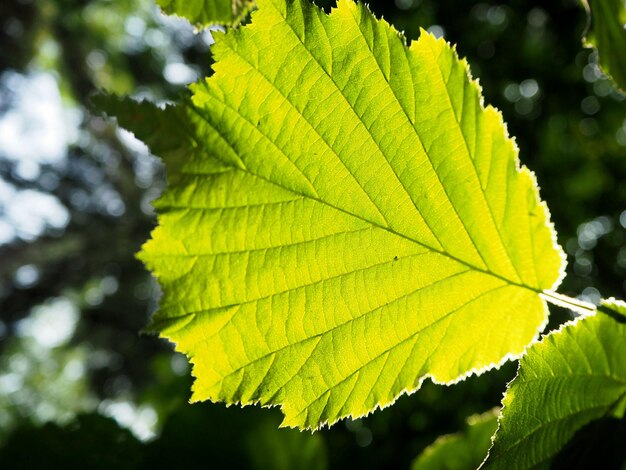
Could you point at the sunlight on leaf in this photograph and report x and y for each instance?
(344, 218)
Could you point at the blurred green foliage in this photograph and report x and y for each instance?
(569, 122)
(607, 33)
(463, 450)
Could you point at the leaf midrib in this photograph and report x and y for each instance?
(440, 251)
(419, 138)
(244, 169)
(444, 84)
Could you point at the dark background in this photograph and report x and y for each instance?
(80, 387)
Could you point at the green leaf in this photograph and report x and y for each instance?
(461, 451)
(607, 33)
(572, 377)
(285, 449)
(347, 221)
(208, 12)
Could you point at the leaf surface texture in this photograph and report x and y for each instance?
(344, 218)
(571, 378)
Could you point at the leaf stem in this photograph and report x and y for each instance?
(580, 306)
(577, 305)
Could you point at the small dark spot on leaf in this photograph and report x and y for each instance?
(395, 258)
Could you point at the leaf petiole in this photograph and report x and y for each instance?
(579, 306)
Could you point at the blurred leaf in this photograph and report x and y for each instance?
(233, 438)
(224, 438)
(461, 451)
(607, 33)
(208, 12)
(92, 441)
(285, 449)
(339, 226)
(571, 378)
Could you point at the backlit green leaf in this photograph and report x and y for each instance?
(208, 12)
(572, 377)
(607, 33)
(344, 218)
(461, 451)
